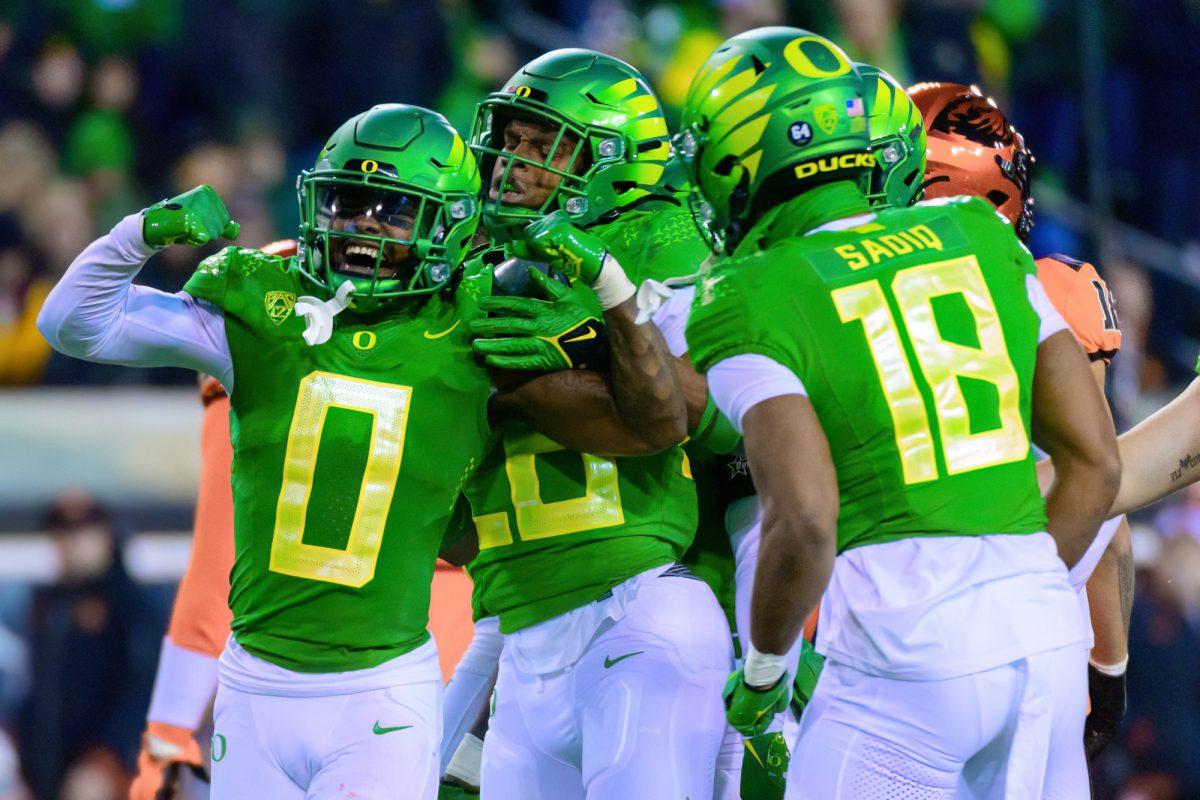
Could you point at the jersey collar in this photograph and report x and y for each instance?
(835, 203)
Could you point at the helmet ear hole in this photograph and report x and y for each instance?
(997, 197)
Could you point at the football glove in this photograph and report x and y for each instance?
(167, 753)
(1107, 695)
(552, 332)
(575, 252)
(749, 710)
(807, 674)
(765, 766)
(195, 217)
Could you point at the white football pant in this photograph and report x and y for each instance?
(380, 744)
(617, 700)
(470, 686)
(1011, 732)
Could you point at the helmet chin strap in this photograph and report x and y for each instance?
(319, 314)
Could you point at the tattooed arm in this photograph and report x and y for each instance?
(1110, 599)
(577, 409)
(645, 388)
(1162, 454)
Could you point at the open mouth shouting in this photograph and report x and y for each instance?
(358, 258)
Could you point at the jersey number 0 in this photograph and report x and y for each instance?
(388, 406)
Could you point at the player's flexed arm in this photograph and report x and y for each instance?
(95, 312)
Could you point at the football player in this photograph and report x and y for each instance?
(186, 678)
(613, 653)
(329, 610)
(973, 149)
(886, 369)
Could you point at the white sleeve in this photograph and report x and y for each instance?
(741, 382)
(97, 314)
(672, 316)
(1051, 321)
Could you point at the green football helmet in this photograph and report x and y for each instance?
(771, 113)
(897, 139)
(621, 148)
(391, 205)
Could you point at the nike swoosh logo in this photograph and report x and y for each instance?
(583, 337)
(429, 335)
(610, 662)
(379, 729)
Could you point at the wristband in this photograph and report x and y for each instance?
(762, 670)
(612, 286)
(467, 763)
(1111, 670)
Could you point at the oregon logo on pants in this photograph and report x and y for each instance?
(219, 747)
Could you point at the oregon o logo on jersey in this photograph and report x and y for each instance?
(364, 340)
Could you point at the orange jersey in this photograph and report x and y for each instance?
(201, 617)
(1083, 299)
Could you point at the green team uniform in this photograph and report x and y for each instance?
(916, 342)
(557, 529)
(348, 459)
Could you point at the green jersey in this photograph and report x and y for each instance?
(557, 529)
(915, 340)
(348, 459)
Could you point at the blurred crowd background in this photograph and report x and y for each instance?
(109, 105)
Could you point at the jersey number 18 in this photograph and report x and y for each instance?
(941, 364)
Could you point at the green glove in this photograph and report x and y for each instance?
(573, 251)
(195, 217)
(807, 674)
(750, 711)
(536, 334)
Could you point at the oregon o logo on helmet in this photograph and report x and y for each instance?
(814, 57)
(364, 340)
(800, 133)
(369, 166)
(835, 164)
(523, 91)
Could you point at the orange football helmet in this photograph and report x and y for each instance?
(972, 149)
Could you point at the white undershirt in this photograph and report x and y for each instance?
(96, 313)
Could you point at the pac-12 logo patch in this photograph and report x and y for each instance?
(279, 305)
(800, 133)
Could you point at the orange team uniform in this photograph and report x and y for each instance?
(186, 679)
(1083, 299)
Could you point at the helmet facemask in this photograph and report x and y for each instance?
(572, 153)
(389, 238)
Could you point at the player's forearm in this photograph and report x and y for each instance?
(576, 409)
(646, 391)
(1162, 454)
(795, 559)
(97, 314)
(694, 388)
(1107, 589)
(1078, 503)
